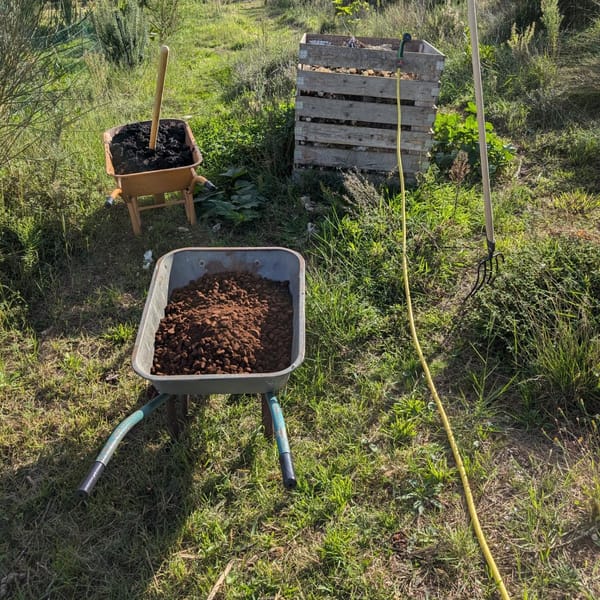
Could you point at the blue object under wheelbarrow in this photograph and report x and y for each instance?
(175, 270)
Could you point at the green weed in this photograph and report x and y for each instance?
(576, 202)
(454, 133)
(122, 333)
(236, 199)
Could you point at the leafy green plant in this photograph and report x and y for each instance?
(121, 30)
(236, 199)
(454, 133)
(350, 12)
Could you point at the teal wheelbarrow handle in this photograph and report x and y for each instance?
(87, 485)
(285, 456)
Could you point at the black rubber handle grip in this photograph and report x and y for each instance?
(87, 485)
(287, 470)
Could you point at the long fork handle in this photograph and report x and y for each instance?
(485, 170)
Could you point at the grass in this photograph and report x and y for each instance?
(378, 512)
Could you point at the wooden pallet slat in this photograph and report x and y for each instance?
(340, 158)
(332, 83)
(308, 107)
(371, 137)
(328, 51)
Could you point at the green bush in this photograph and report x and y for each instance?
(31, 81)
(258, 141)
(121, 31)
(454, 133)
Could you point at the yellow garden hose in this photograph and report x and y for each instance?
(440, 407)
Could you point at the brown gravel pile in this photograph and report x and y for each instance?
(225, 323)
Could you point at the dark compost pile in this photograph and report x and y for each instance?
(226, 323)
(131, 153)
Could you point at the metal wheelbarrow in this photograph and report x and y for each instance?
(175, 270)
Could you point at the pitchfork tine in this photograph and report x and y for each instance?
(487, 268)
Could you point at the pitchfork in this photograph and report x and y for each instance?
(488, 267)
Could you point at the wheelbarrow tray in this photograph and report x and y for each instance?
(178, 268)
(159, 181)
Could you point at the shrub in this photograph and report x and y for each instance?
(30, 77)
(163, 17)
(454, 133)
(262, 141)
(121, 31)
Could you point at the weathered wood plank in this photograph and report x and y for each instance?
(366, 112)
(424, 66)
(393, 43)
(323, 51)
(341, 158)
(370, 137)
(421, 92)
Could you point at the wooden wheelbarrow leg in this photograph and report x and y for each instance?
(134, 214)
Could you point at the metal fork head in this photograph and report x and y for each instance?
(487, 271)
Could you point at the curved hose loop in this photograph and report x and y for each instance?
(440, 407)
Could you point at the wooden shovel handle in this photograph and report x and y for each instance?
(160, 84)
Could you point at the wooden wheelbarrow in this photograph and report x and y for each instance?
(156, 183)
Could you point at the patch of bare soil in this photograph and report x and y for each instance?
(226, 323)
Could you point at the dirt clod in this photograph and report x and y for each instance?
(225, 323)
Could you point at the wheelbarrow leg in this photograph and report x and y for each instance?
(190, 210)
(267, 419)
(87, 485)
(172, 419)
(134, 214)
(178, 413)
(285, 456)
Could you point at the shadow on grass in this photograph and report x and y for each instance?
(62, 547)
(120, 541)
